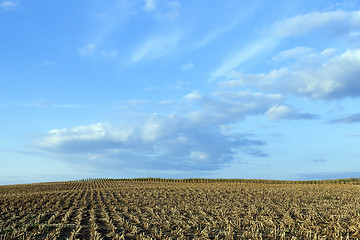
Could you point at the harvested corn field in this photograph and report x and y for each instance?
(104, 209)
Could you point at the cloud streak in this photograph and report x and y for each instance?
(187, 66)
(339, 23)
(156, 47)
(286, 112)
(8, 5)
(235, 59)
(355, 118)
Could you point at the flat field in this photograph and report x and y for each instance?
(105, 209)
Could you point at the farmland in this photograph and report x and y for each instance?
(193, 209)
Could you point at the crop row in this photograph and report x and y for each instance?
(106, 209)
(225, 180)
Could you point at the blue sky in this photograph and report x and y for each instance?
(177, 89)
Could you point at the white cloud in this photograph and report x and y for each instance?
(333, 79)
(149, 5)
(294, 53)
(286, 112)
(62, 139)
(162, 10)
(138, 102)
(87, 50)
(194, 95)
(216, 32)
(156, 47)
(208, 38)
(230, 106)
(187, 66)
(278, 112)
(260, 80)
(192, 140)
(354, 37)
(328, 52)
(338, 22)
(90, 49)
(197, 138)
(166, 102)
(235, 59)
(152, 129)
(337, 78)
(161, 142)
(44, 103)
(73, 106)
(8, 5)
(198, 155)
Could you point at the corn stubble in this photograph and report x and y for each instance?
(105, 209)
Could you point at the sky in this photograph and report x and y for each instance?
(179, 89)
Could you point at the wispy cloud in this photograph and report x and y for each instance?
(294, 53)
(149, 5)
(339, 23)
(241, 56)
(286, 112)
(353, 135)
(156, 47)
(87, 50)
(221, 28)
(173, 10)
(208, 38)
(8, 5)
(355, 118)
(162, 10)
(44, 103)
(319, 160)
(194, 95)
(48, 63)
(187, 66)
